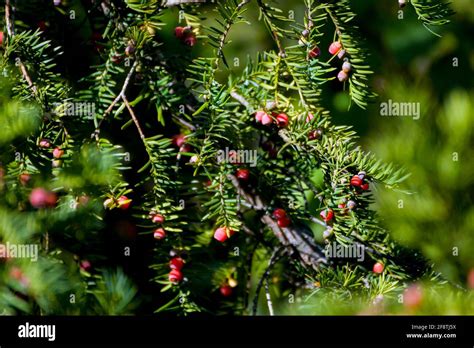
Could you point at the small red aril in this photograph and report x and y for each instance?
(266, 119)
(378, 268)
(178, 140)
(279, 213)
(242, 174)
(58, 152)
(175, 276)
(124, 202)
(259, 115)
(283, 222)
(365, 186)
(226, 290)
(25, 178)
(356, 181)
(335, 47)
(159, 234)
(176, 263)
(327, 215)
(157, 218)
(223, 233)
(41, 198)
(281, 120)
(314, 53)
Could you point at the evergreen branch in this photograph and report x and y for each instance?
(11, 31)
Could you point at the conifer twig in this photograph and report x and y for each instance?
(11, 33)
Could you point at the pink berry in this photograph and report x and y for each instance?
(223, 233)
(335, 47)
(159, 234)
(327, 215)
(281, 119)
(41, 198)
(266, 119)
(58, 152)
(45, 144)
(175, 276)
(124, 203)
(309, 117)
(178, 140)
(413, 296)
(378, 268)
(157, 218)
(85, 265)
(259, 116)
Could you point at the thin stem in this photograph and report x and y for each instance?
(134, 117)
(11, 33)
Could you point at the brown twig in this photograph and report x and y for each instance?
(134, 117)
(11, 33)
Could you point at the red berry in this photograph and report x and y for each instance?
(58, 152)
(266, 119)
(175, 276)
(335, 47)
(85, 265)
(470, 279)
(279, 213)
(1, 38)
(124, 203)
(176, 263)
(157, 218)
(314, 53)
(179, 32)
(378, 268)
(42, 25)
(281, 120)
(190, 39)
(41, 198)
(365, 186)
(223, 233)
(327, 215)
(243, 174)
(309, 117)
(356, 181)
(284, 222)
(226, 290)
(259, 115)
(178, 140)
(315, 134)
(25, 178)
(159, 234)
(413, 296)
(45, 144)
(16, 273)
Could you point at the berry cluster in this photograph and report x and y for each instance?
(279, 118)
(282, 218)
(359, 181)
(159, 219)
(186, 35)
(176, 264)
